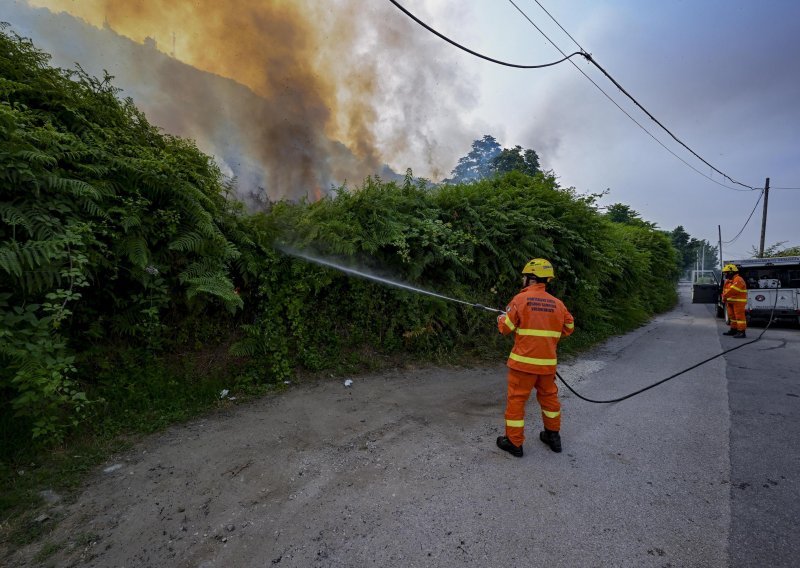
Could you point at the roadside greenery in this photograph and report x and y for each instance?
(776, 250)
(110, 229)
(134, 287)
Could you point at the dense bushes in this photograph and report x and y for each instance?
(110, 229)
(468, 241)
(120, 247)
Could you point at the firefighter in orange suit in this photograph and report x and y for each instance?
(734, 294)
(538, 321)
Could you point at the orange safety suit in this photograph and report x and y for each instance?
(537, 320)
(734, 294)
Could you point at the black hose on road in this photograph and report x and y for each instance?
(679, 373)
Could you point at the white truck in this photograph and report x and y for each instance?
(772, 284)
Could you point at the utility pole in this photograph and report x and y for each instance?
(719, 232)
(764, 220)
(703, 264)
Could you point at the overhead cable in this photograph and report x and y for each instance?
(589, 58)
(636, 122)
(627, 94)
(667, 130)
(746, 222)
(475, 53)
(560, 26)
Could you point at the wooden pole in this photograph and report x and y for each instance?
(764, 220)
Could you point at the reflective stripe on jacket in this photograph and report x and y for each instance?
(537, 320)
(725, 285)
(736, 291)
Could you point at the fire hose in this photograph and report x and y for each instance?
(662, 381)
(362, 274)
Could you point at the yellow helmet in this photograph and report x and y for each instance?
(540, 268)
(730, 268)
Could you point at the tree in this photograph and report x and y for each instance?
(478, 163)
(681, 241)
(690, 249)
(514, 159)
(621, 213)
(706, 253)
(487, 159)
(775, 250)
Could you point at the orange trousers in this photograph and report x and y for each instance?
(736, 315)
(520, 386)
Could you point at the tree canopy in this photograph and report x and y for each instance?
(516, 160)
(478, 163)
(621, 213)
(486, 159)
(690, 248)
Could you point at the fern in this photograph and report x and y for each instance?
(10, 261)
(13, 216)
(189, 241)
(217, 285)
(16, 258)
(205, 268)
(38, 158)
(134, 247)
(246, 348)
(74, 187)
(93, 209)
(129, 221)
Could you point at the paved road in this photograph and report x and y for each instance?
(764, 398)
(401, 469)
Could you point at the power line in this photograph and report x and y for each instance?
(678, 140)
(475, 53)
(627, 94)
(760, 195)
(626, 113)
(589, 58)
(559, 25)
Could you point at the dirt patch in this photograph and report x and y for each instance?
(251, 481)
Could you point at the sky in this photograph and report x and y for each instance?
(722, 76)
(365, 86)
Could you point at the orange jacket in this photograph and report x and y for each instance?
(538, 321)
(736, 291)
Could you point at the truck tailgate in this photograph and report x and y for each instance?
(763, 299)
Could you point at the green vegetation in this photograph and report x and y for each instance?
(691, 250)
(487, 158)
(110, 231)
(777, 250)
(133, 288)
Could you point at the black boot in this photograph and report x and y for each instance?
(740, 335)
(552, 439)
(731, 331)
(505, 444)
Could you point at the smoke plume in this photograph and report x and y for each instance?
(290, 96)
